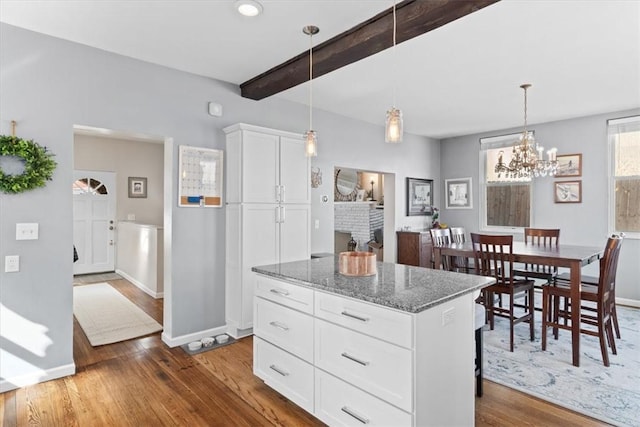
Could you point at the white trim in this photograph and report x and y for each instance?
(37, 377)
(623, 120)
(140, 285)
(195, 336)
(628, 302)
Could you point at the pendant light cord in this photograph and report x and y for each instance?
(395, 55)
(310, 81)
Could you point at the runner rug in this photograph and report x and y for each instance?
(106, 316)
(609, 394)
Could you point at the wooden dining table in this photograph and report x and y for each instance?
(568, 256)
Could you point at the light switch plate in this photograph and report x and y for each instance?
(27, 231)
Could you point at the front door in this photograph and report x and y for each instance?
(94, 207)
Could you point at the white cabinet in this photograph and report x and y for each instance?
(268, 218)
(266, 166)
(371, 364)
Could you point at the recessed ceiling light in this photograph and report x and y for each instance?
(249, 7)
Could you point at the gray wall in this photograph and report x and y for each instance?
(585, 223)
(49, 85)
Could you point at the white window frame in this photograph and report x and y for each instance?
(490, 143)
(611, 197)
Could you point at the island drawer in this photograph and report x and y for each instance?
(283, 372)
(340, 404)
(380, 322)
(381, 368)
(294, 296)
(284, 327)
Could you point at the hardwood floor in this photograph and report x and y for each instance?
(142, 382)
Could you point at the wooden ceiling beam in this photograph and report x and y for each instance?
(413, 18)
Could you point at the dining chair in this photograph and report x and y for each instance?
(599, 316)
(494, 257)
(542, 237)
(441, 236)
(461, 264)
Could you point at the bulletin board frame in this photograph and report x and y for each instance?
(200, 177)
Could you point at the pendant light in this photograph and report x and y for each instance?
(310, 137)
(393, 123)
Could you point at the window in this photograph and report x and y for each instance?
(505, 203)
(624, 179)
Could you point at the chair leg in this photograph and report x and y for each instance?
(545, 317)
(479, 362)
(511, 325)
(532, 315)
(614, 315)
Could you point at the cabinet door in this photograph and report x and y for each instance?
(259, 247)
(295, 232)
(260, 174)
(294, 171)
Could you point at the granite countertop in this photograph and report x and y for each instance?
(406, 288)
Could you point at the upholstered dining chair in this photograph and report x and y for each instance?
(597, 319)
(494, 257)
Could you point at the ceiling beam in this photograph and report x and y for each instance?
(413, 18)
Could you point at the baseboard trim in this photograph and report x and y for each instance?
(140, 285)
(184, 339)
(628, 302)
(37, 377)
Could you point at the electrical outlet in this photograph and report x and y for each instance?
(448, 316)
(27, 231)
(11, 263)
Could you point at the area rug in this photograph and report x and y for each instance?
(608, 394)
(106, 316)
(82, 279)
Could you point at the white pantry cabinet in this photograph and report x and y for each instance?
(268, 217)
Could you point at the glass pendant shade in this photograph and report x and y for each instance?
(393, 126)
(310, 143)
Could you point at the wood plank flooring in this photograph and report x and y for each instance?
(142, 382)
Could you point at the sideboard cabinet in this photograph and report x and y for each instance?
(415, 248)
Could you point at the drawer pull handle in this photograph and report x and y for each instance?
(360, 418)
(279, 325)
(353, 316)
(355, 359)
(280, 371)
(280, 292)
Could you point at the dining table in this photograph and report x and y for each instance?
(567, 256)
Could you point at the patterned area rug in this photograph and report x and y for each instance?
(83, 279)
(609, 394)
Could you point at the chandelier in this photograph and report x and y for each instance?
(527, 156)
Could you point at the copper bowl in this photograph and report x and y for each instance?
(357, 263)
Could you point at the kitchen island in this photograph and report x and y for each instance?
(395, 348)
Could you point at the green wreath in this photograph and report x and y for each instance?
(38, 165)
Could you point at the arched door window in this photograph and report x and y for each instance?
(89, 185)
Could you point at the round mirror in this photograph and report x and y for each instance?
(346, 183)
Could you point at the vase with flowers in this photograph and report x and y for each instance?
(435, 219)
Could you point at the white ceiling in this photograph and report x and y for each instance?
(581, 56)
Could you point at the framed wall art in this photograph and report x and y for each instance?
(458, 193)
(569, 165)
(419, 196)
(567, 191)
(137, 187)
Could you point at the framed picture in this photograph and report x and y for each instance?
(458, 193)
(567, 191)
(137, 187)
(419, 196)
(569, 165)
